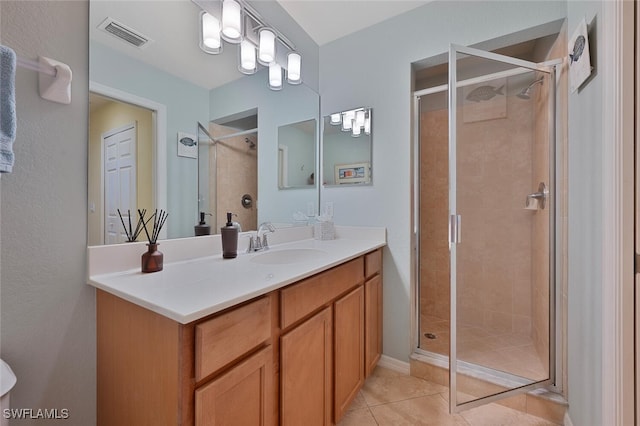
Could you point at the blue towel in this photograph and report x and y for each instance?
(7, 107)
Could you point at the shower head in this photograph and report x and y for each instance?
(252, 144)
(526, 92)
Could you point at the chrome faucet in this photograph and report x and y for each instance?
(259, 241)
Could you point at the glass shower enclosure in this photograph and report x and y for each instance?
(487, 225)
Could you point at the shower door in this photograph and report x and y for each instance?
(501, 226)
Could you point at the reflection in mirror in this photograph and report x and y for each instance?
(206, 180)
(236, 174)
(274, 109)
(120, 155)
(183, 86)
(346, 142)
(297, 154)
(228, 171)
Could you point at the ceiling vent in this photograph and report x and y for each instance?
(125, 33)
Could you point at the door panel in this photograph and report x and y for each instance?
(501, 133)
(119, 182)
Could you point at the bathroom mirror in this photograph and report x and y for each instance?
(346, 147)
(297, 154)
(180, 86)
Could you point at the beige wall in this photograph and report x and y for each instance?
(113, 115)
(434, 211)
(236, 175)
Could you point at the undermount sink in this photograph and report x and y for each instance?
(286, 256)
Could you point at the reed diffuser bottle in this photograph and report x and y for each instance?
(152, 259)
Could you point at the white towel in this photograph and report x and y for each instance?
(7, 108)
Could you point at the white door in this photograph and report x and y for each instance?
(119, 182)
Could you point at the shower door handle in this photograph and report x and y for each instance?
(455, 222)
(541, 196)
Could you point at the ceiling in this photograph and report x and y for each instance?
(173, 27)
(329, 20)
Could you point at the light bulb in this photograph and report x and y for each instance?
(360, 118)
(367, 125)
(275, 76)
(267, 47)
(210, 41)
(347, 121)
(356, 130)
(294, 62)
(231, 21)
(336, 119)
(247, 58)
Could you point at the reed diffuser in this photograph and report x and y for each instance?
(132, 234)
(153, 259)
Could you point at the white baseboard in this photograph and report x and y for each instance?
(394, 364)
(567, 419)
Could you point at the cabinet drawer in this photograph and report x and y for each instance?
(299, 300)
(373, 263)
(226, 337)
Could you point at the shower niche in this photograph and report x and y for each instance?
(485, 267)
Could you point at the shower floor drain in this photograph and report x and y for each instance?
(430, 336)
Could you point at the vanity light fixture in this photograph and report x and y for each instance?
(238, 23)
(356, 121)
(247, 62)
(267, 47)
(210, 33)
(231, 21)
(275, 76)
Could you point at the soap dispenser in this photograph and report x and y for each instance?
(229, 239)
(202, 228)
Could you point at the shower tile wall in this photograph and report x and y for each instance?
(237, 174)
(434, 247)
(494, 176)
(540, 225)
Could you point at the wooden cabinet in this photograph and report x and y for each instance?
(373, 310)
(155, 371)
(373, 323)
(242, 396)
(306, 372)
(349, 349)
(139, 366)
(296, 356)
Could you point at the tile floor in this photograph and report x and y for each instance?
(509, 352)
(389, 398)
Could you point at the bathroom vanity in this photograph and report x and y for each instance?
(264, 341)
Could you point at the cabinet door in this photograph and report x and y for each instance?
(349, 349)
(373, 323)
(305, 372)
(242, 396)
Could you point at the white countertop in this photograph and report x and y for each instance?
(188, 290)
